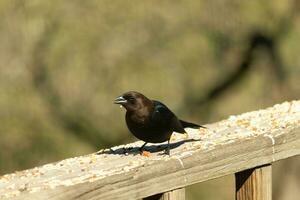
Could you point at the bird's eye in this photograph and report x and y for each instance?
(131, 100)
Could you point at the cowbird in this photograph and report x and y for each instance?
(151, 120)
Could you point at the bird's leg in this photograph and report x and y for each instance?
(167, 150)
(142, 147)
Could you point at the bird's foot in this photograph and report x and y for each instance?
(165, 152)
(141, 150)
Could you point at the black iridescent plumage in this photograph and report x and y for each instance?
(151, 120)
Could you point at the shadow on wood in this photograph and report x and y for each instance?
(254, 184)
(154, 148)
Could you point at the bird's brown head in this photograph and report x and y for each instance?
(132, 101)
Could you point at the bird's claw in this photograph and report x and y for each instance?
(141, 150)
(165, 153)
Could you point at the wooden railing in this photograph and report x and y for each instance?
(244, 145)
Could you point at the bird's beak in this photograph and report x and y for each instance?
(120, 100)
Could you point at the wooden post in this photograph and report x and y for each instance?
(178, 194)
(254, 184)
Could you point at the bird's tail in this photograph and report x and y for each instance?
(190, 125)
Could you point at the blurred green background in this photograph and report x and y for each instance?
(63, 63)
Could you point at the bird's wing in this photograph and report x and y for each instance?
(162, 114)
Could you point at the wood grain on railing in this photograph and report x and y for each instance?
(238, 143)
